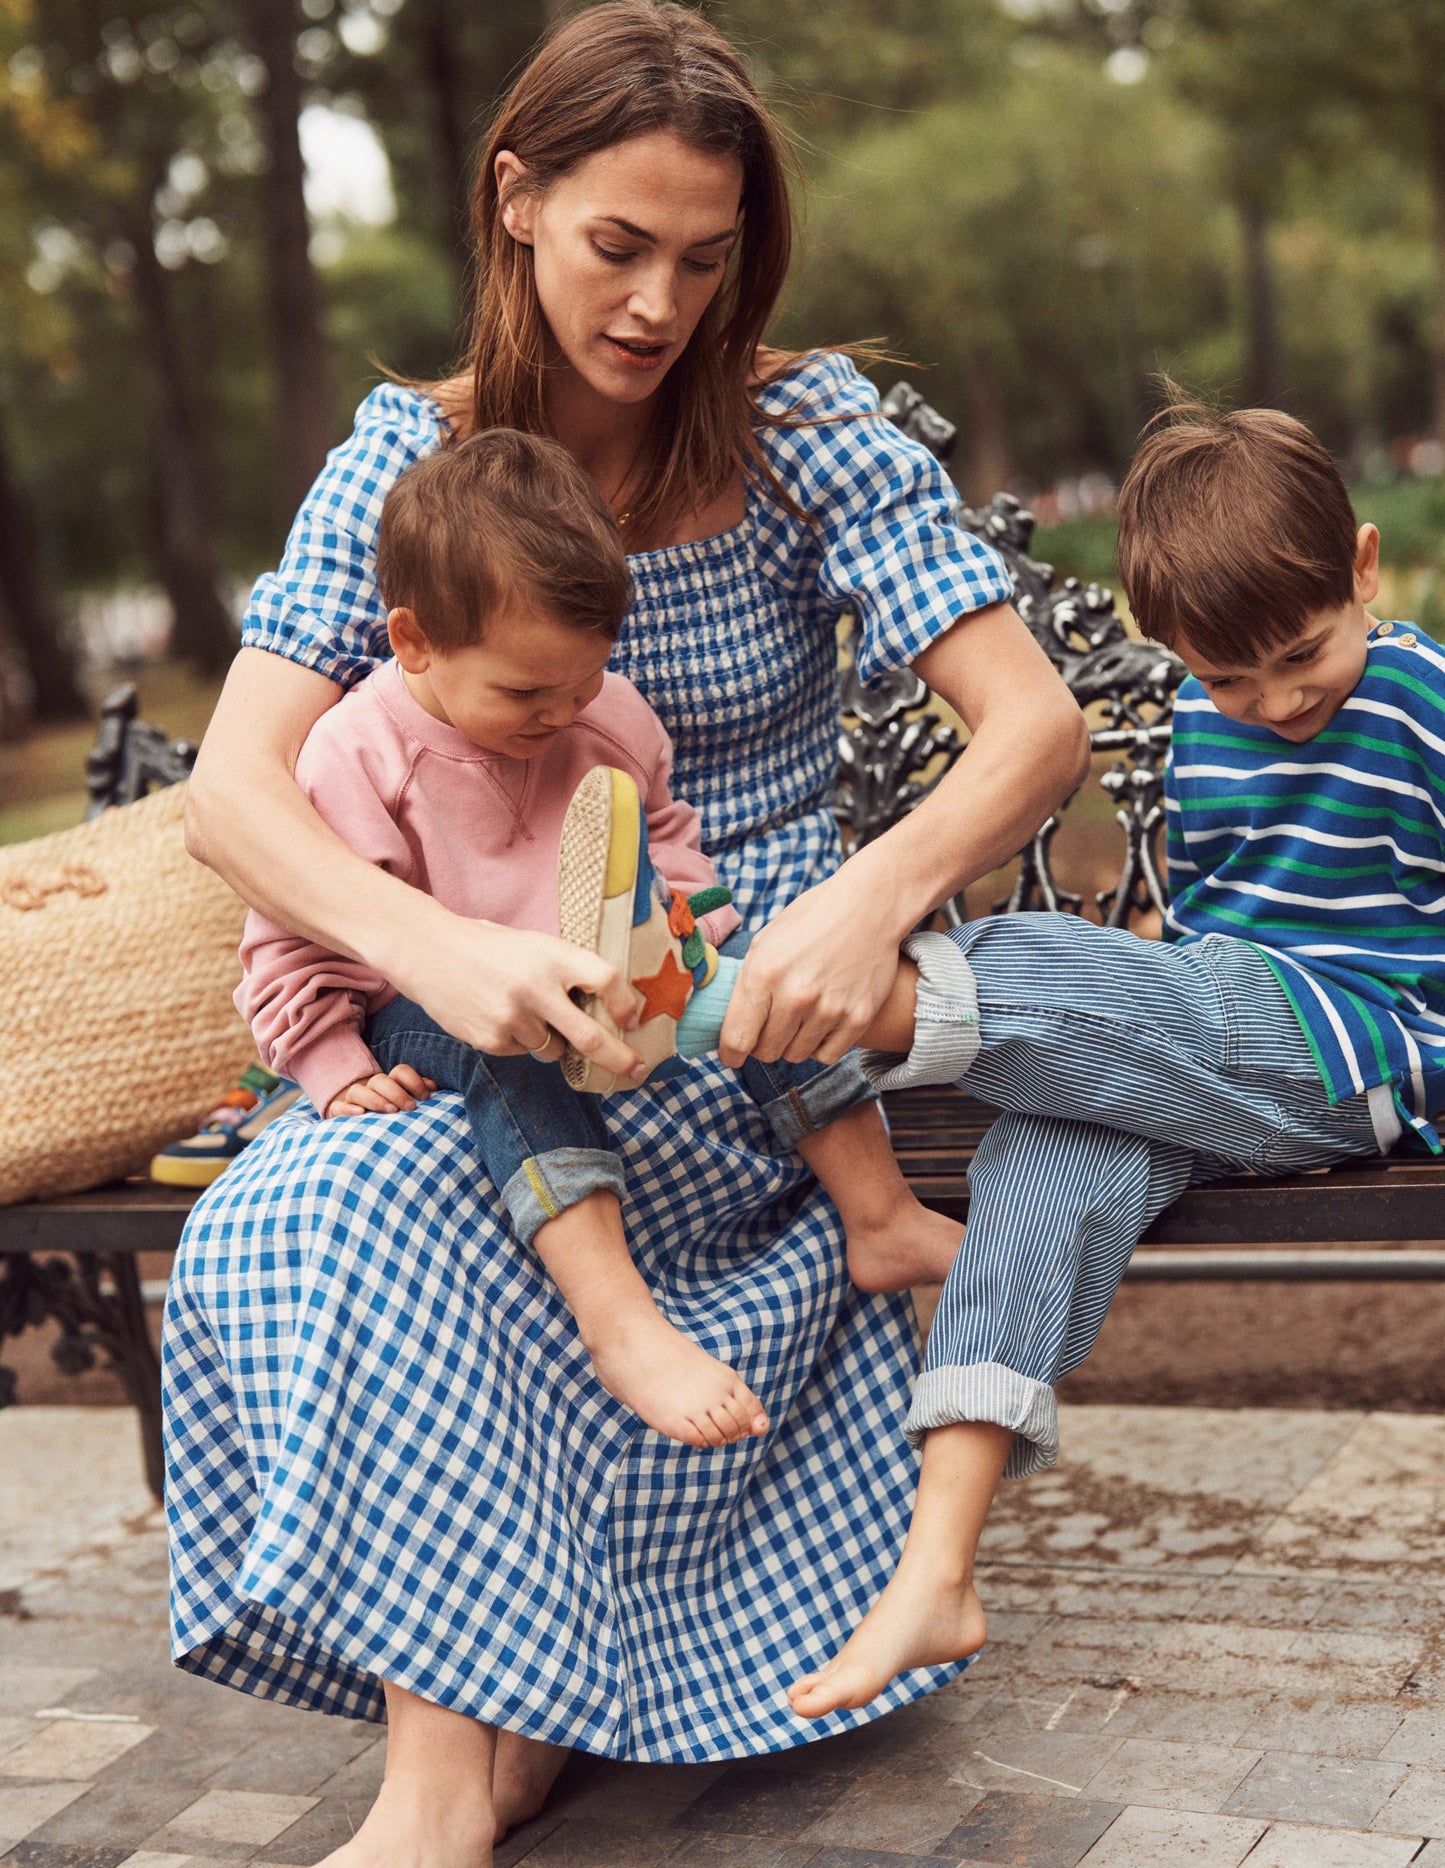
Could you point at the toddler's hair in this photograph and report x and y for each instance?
(500, 518)
(1234, 530)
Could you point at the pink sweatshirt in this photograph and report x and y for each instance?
(477, 830)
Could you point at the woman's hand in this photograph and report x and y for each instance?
(504, 991)
(813, 979)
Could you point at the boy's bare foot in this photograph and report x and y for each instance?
(669, 1382)
(410, 1827)
(908, 1244)
(912, 1624)
(523, 1774)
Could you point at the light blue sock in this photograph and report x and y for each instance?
(700, 1026)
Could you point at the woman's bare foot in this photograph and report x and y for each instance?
(409, 1826)
(909, 1244)
(669, 1382)
(523, 1774)
(912, 1624)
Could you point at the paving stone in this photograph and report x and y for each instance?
(1376, 1503)
(1025, 1586)
(62, 1855)
(1431, 1856)
(188, 1754)
(1213, 1658)
(1343, 1792)
(601, 1845)
(1153, 1713)
(28, 1689)
(1032, 1831)
(295, 1763)
(14, 1732)
(1264, 1601)
(1288, 1845)
(1056, 1764)
(230, 1816)
(739, 1852)
(1345, 1729)
(651, 1795)
(892, 1811)
(870, 1858)
(1351, 1663)
(71, 1749)
(1171, 1776)
(1420, 1739)
(1142, 1838)
(24, 1807)
(1417, 1807)
(1373, 1602)
(772, 1804)
(118, 1812)
(333, 1821)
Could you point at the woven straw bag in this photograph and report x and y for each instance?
(118, 954)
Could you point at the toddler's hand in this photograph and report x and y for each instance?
(383, 1095)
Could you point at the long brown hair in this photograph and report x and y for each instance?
(619, 70)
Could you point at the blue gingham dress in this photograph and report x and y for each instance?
(387, 1455)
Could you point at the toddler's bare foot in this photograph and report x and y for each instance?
(906, 1245)
(670, 1383)
(914, 1623)
(410, 1827)
(523, 1774)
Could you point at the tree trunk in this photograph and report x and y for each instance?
(26, 604)
(298, 344)
(442, 62)
(203, 632)
(1263, 386)
(987, 465)
(1435, 166)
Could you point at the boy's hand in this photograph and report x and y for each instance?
(384, 1094)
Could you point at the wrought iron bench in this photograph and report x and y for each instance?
(74, 1260)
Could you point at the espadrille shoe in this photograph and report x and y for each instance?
(610, 900)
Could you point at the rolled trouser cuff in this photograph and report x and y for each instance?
(547, 1184)
(945, 1029)
(987, 1391)
(801, 1109)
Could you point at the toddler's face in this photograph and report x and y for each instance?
(514, 691)
(1297, 688)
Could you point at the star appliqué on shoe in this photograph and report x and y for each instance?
(665, 991)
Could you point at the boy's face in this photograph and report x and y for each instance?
(514, 691)
(1296, 689)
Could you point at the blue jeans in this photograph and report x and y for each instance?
(546, 1146)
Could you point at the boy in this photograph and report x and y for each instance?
(492, 739)
(1293, 1016)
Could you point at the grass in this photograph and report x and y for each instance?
(42, 783)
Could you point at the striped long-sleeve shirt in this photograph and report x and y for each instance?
(1329, 857)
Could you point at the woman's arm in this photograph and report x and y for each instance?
(814, 977)
(494, 987)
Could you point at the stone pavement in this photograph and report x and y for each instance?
(1217, 1637)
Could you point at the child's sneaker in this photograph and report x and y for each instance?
(610, 899)
(243, 1112)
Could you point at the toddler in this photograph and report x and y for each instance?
(493, 740)
(1293, 1015)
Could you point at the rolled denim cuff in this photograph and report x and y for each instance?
(945, 1027)
(547, 1184)
(988, 1391)
(801, 1109)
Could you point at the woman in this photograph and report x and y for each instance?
(391, 1480)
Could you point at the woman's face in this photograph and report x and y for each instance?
(628, 249)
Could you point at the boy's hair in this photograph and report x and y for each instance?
(1234, 530)
(500, 518)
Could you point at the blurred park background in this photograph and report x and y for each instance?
(220, 220)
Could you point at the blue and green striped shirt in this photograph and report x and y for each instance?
(1330, 858)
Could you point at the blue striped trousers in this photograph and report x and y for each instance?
(1128, 1070)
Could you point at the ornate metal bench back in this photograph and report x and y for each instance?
(895, 748)
(130, 758)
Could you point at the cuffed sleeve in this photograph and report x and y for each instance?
(946, 1033)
